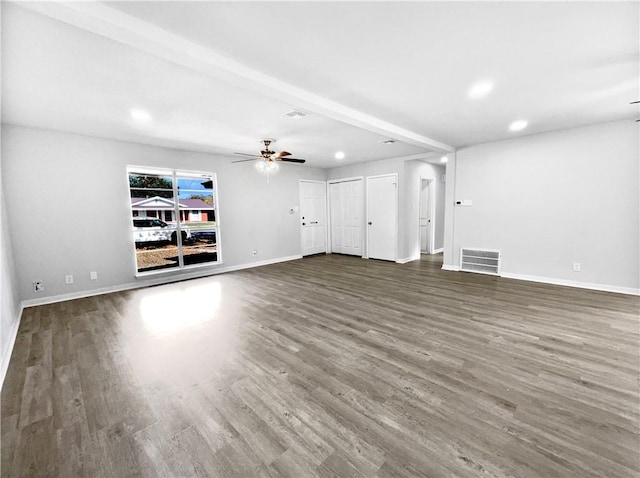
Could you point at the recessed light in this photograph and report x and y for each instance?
(444, 159)
(518, 125)
(480, 90)
(339, 155)
(140, 115)
(296, 114)
(388, 141)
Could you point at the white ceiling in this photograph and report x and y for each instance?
(218, 76)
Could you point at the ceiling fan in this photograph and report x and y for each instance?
(269, 156)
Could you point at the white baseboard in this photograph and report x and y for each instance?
(570, 283)
(408, 259)
(438, 251)
(6, 357)
(145, 282)
(564, 282)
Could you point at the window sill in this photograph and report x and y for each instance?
(177, 272)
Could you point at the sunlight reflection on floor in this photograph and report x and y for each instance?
(168, 312)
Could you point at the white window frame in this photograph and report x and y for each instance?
(175, 174)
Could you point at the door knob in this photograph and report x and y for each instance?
(370, 223)
(304, 223)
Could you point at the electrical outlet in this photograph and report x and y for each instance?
(93, 275)
(38, 286)
(576, 267)
(68, 279)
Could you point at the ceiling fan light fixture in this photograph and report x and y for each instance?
(266, 166)
(267, 159)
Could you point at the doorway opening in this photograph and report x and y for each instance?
(427, 216)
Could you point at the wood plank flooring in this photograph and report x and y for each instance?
(328, 366)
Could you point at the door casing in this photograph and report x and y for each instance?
(427, 187)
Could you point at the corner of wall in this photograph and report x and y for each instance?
(10, 341)
(10, 307)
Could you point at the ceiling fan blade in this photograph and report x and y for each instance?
(280, 155)
(292, 160)
(245, 160)
(252, 155)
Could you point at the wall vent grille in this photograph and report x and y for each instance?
(483, 261)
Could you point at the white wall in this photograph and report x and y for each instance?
(553, 199)
(409, 173)
(68, 205)
(374, 168)
(9, 301)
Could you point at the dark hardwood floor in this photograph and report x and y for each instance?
(328, 366)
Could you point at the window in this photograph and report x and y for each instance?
(168, 194)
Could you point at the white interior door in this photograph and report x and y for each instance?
(345, 206)
(382, 217)
(313, 217)
(425, 216)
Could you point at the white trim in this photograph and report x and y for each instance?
(438, 251)
(175, 270)
(13, 335)
(494, 274)
(431, 213)
(447, 267)
(450, 211)
(419, 156)
(571, 283)
(345, 180)
(160, 281)
(408, 259)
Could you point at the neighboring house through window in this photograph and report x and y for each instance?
(173, 218)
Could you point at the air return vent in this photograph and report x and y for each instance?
(484, 261)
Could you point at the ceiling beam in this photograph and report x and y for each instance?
(113, 24)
